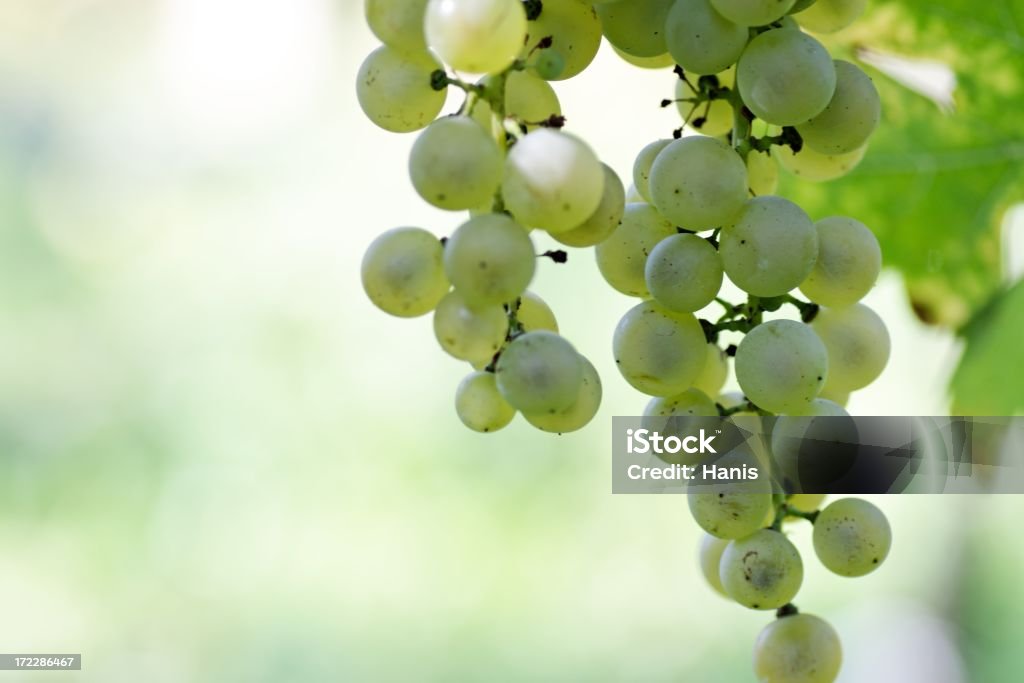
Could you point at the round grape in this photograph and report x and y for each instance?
(732, 510)
(852, 537)
(575, 33)
(539, 372)
(850, 117)
(849, 261)
(534, 314)
(605, 219)
(403, 272)
(762, 570)
(642, 167)
(473, 335)
(815, 166)
(489, 259)
(857, 343)
(781, 366)
(455, 164)
(394, 91)
(582, 410)
(700, 39)
(752, 12)
(716, 370)
(657, 351)
(762, 173)
(636, 27)
(478, 36)
(710, 556)
(829, 16)
(659, 62)
(800, 648)
(479, 405)
(805, 502)
(698, 183)
(683, 273)
(622, 257)
(398, 23)
(786, 77)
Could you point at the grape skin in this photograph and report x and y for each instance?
(402, 272)
(575, 31)
(393, 89)
(659, 62)
(528, 97)
(781, 366)
(850, 117)
(479, 405)
(642, 167)
(786, 77)
(455, 165)
(852, 537)
(716, 370)
(716, 115)
(605, 219)
(398, 23)
(535, 314)
(539, 372)
(762, 570)
(799, 648)
(659, 352)
(478, 36)
(698, 183)
(700, 39)
(857, 343)
(752, 12)
(582, 410)
(683, 273)
(490, 260)
(473, 335)
(622, 257)
(710, 556)
(849, 261)
(815, 166)
(637, 26)
(770, 248)
(829, 16)
(762, 173)
(734, 510)
(805, 502)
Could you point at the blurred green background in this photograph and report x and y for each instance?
(219, 463)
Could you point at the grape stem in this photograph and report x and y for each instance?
(746, 406)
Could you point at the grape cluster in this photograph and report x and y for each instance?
(761, 92)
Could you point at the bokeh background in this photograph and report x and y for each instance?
(219, 463)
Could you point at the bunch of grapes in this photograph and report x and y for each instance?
(762, 93)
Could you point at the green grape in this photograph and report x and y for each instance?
(762, 570)
(770, 247)
(575, 33)
(549, 64)
(762, 173)
(815, 166)
(657, 351)
(733, 510)
(478, 36)
(642, 167)
(535, 314)
(403, 272)
(455, 164)
(621, 257)
(530, 98)
(840, 398)
(658, 62)
(394, 91)
(857, 344)
(752, 12)
(786, 77)
(398, 23)
(849, 260)
(700, 39)
(604, 220)
(539, 372)
(552, 180)
(474, 335)
(635, 26)
(829, 16)
(582, 410)
(800, 648)
(716, 371)
(800, 6)
(698, 183)
(690, 403)
(490, 259)
(781, 366)
(852, 537)
(683, 273)
(713, 118)
(805, 502)
(479, 405)
(850, 117)
(710, 555)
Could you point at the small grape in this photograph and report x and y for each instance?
(455, 165)
(534, 314)
(786, 77)
(762, 173)
(698, 183)
(479, 405)
(478, 36)
(762, 570)
(528, 97)
(781, 366)
(642, 167)
(829, 16)
(857, 343)
(402, 272)
(700, 39)
(582, 410)
(805, 502)
(605, 219)
(622, 257)
(852, 537)
(575, 32)
(849, 261)
(657, 351)
(394, 91)
(850, 117)
(473, 335)
(691, 403)
(398, 23)
(800, 648)
(716, 371)
(815, 166)
(712, 118)
(733, 510)
(490, 260)
(683, 273)
(813, 453)
(636, 27)
(539, 372)
(752, 12)
(710, 556)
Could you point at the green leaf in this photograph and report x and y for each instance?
(935, 186)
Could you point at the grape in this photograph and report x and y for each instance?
(632, 196)
(474, 335)
(575, 33)
(712, 118)
(770, 248)
(752, 12)
(710, 555)
(621, 257)
(850, 117)
(528, 98)
(658, 62)
(398, 23)
(479, 405)
(852, 537)
(840, 398)
(552, 180)
(490, 259)
(635, 26)
(479, 36)
(549, 64)
(455, 164)
(762, 173)
(734, 510)
(539, 372)
(690, 403)
(402, 272)
(829, 16)
(683, 273)
(716, 369)
(811, 165)
(657, 351)
(805, 502)
(800, 648)
(642, 167)
(857, 343)
(849, 260)
(812, 453)
(786, 77)
(582, 410)
(604, 220)
(394, 89)
(698, 183)
(700, 39)
(534, 314)
(762, 570)
(781, 366)
(799, 6)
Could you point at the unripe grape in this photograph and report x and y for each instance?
(781, 366)
(622, 257)
(850, 117)
(455, 164)
(605, 219)
(402, 272)
(858, 345)
(479, 36)
(489, 259)
(700, 39)
(394, 91)
(800, 648)
(657, 351)
(473, 335)
(762, 570)
(786, 77)
(849, 261)
(539, 372)
(479, 405)
(698, 183)
(683, 273)
(852, 537)
(580, 412)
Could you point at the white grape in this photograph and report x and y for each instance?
(852, 537)
(700, 39)
(712, 118)
(800, 648)
(752, 12)
(528, 97)
(829, 16)
(761, 571)
(710, 556)
(793, 432)
(489, 259)
(732, 510)
(398, 23)
(394, 91)
(683, 273)
(478, 36)
(858, 345)
(622, 257)
(539, 372)
(455, 164)
(575, 33)
(850, 117)
(770, 248)
(657, 62)
(716, 371)
(786, 77)
(535, 314)
(582, 410)
(805, 502)
(473, 335)
(479, 404)
(657, 351)
(762, 173)
(849, 261)
(690, 403)
(815, 166)
(403, 272)
(604, 220)
(636, 27)
(698, 183)
(642, 166)
(781, 366)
